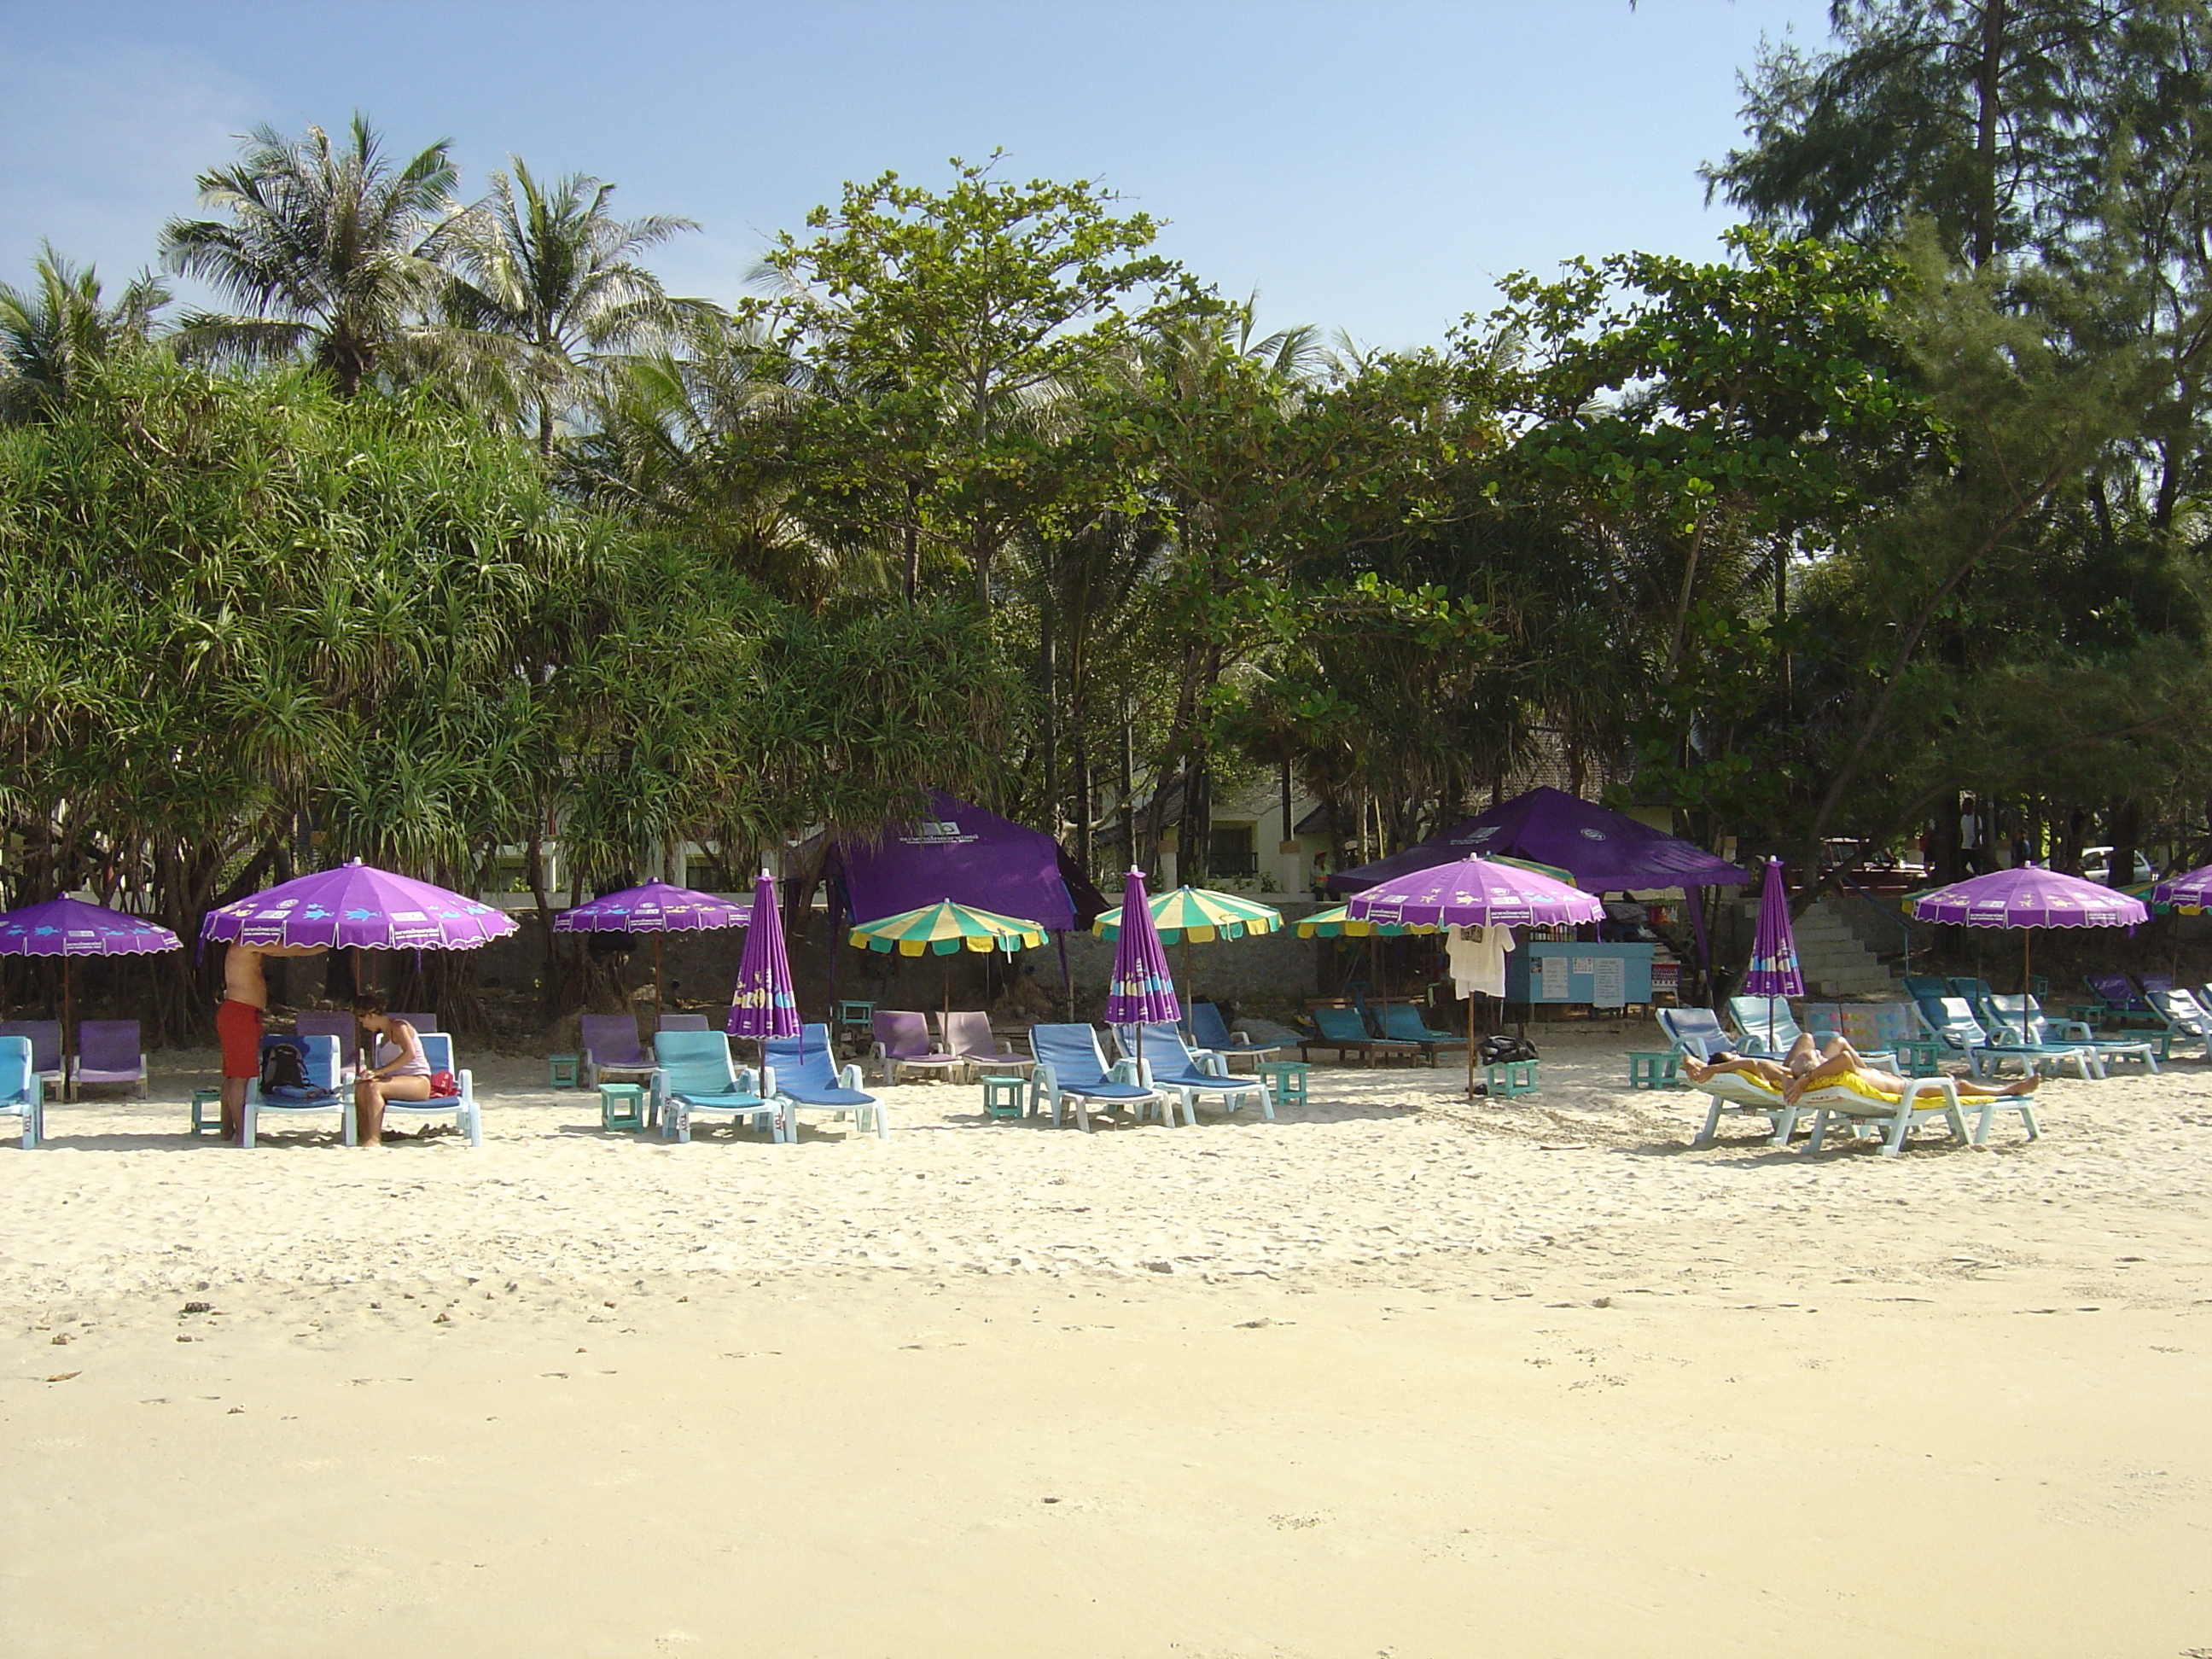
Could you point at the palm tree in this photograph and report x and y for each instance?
(332, 251)
(56, 329)
(553, 271)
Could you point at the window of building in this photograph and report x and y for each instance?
(1233, 851)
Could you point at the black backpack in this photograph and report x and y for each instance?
(1497, 1049)
(283, 1066)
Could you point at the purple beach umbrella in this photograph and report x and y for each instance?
(2029, 898)
(1475, 893)
(762, 1004)
(654, 908)
(1774, 972)
(1141, 992)
(68, 927)
(357, 907)
(2191, 889)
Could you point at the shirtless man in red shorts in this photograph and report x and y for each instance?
(238, 1021)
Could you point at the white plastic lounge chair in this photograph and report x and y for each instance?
(1951, 1022)
(695, 1074)
(107, 1052)
(1209, 1031)
(969, 1037)
(612, 1053)
(803, 1075)
(1733, 1094)
(22, 1092)
(1768, 1027)
(1167, 1063)
(1693, 1031)
(319, 1059)
(1071, 1068)
(461, 1104)
(2188, 1017)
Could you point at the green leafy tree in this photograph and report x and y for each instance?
(56, 332)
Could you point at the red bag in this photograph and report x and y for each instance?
(444, 1084)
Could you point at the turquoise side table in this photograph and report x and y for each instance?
(1509, 1078)
(1003, 1095)
(202, 1099)
(621, 1106)
(560, 1071)
(1286, 1079)
(1653, 1069)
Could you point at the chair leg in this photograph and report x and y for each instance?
(1819, 1130)
(1713, 1122)
(246, 1116)
(1900, 1127)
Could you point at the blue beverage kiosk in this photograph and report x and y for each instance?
(1602, 976)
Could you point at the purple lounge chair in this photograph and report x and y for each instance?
(612, 1053)
(969, 1037)
(903, 1040)
(46, 1036)
(683, 1023)
(420, 1022)
(107, 1052)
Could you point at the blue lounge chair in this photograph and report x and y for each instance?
(22, 1092)
(322, 1092)
(1951, 1023)
(1209, 1031)
(695, 1074)
(461, 1105)
(1695, 1031)
(1167, 1064)
(801, 1074)
(341, 1025)
(1071, 1068)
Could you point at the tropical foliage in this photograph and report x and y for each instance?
(458, 534)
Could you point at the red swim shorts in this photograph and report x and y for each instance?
(239, 1025)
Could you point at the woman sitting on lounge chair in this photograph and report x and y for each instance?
(401, 1071)
(1806, 1068)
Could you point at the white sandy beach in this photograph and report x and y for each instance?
(1396, 1374)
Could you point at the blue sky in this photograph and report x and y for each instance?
(1372, 166)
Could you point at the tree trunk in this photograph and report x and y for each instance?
(910, 543)
(1987, 94)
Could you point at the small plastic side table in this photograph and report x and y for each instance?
(560, 1071)
(1649, 1068)
(1509, 1078)
(1003, 1095)
(202, 1099)
(621, 1106)
(1920, 1055)
(1286, 1078)
(855, 1014)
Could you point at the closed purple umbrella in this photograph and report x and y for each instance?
(654, 908)
(1141, 991)
(68, 927)
(2029, 898)
(762, 1004)
(1774, 972)
(1475, 893)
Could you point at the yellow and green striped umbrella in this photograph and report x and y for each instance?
(1338, 920)
(942, 928)
(1551, 870)
(1195, 915)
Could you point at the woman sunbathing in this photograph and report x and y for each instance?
(1805, 1067)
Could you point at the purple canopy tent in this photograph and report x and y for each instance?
(1141, 992)
(654, 908)
(2029, 898)
(1774, 971)
(1474, 892)
(972, 857)
(1606, 852)
(68, 927)
(763, 1003)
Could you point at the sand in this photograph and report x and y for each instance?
(1397, 1374)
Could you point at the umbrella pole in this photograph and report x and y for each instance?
(68, 1081)
(1470, 1045)
(2026, 941)
(656, 982)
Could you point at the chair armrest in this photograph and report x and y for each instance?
(849, 1078)
(1125, 1071)
(1212, 1063)
(1043, 1080)
(746, 1080)
(656, 1088)
(767, 1089)
(2072, 1031)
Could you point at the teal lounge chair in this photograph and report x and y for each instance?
(1953, 1024)
(803, 1076)
(2185, 1016)
(1209, 1031)
(1344, 1031)
(46, 1036)
(695, 1074)
(22, 1092)
(1168, 1065)
(1070, 1068)
(1403, 1021)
